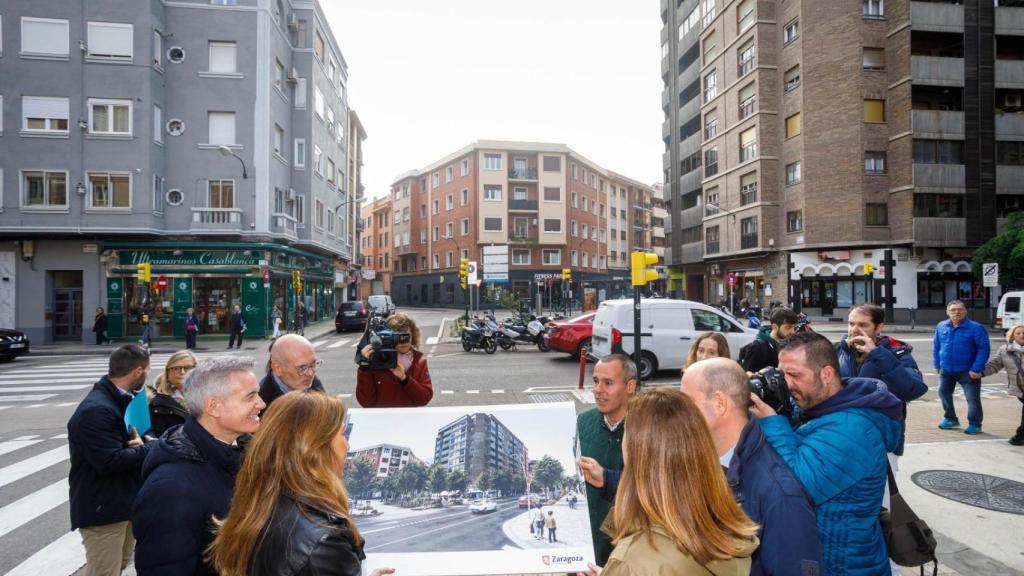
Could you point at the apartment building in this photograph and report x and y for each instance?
(387, 459)
(552, 206)
(478, 443)
(208, 138)
(375, 247)
(839, 134)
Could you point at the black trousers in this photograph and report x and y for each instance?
(235, 333)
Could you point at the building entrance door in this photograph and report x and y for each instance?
(67, 314)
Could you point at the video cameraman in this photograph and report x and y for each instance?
(764, 351)
(838, 450)
(393, 377)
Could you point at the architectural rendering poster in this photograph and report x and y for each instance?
(468, 489)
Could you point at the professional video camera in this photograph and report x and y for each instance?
(770, 386)
(803, 323)
(383, 340)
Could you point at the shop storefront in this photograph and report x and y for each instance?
(212, 278)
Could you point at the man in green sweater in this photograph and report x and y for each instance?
(600, 435)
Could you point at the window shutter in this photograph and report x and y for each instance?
(223, 57)
(874, 110)
(222, 128)
(33, 107)
(748, 136)
(108, 39)
(793, 125)
(44, 36)
(747, 91)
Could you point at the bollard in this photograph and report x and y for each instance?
(583, 365)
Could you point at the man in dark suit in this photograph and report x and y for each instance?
(236, 324)
(293, 365)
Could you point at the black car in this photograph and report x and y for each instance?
(12, 344)
(351, 316)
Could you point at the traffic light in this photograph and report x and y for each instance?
(566, 274)
(463, 272)
(144, 272)
(869, 269)
(641, 263)
(297, 280)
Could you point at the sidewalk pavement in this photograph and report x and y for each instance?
(573, 527)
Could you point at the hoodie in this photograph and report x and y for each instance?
(838, 453)
(762, 352)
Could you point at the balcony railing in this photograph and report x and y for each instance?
(939, 70)
(938, 124)
(748, 241)
(522, 173)
(711, 247)
(1009, 179)
(745, 67)
(1009, 73)
(940, 232)
(284, 223)
(530, 205)
(748, 152)
(1010, 125)
(1009, 20)
(939, 17)
(216, 219)
(939, 177)
(747, 107)
(748, 195)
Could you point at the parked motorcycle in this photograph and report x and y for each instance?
(479, 335)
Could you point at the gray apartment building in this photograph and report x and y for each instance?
(208, 138)
(478, 443)
(840, 134)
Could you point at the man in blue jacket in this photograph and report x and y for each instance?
(838, 451)
(189, 476)
(763, 484)
(960, 351)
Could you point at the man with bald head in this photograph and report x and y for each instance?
(764, 486)
(293, 365)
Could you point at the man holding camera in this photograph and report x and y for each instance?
(293, 365)
(405, 382)
(764, 351)
(838, 451)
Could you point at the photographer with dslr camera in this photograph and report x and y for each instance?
(838, 450)
(392, 371)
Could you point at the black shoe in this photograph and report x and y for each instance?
(1017, 440)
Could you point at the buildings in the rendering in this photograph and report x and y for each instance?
(387, 459)
(478, 443)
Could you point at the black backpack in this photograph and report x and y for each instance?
(908, 538)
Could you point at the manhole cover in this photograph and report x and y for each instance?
(981, 490)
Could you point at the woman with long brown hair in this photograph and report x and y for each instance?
(707, 345)
(674, 512)
(290, 510)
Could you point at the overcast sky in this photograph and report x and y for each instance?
(428, 77)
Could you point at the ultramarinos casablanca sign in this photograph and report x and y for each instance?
(206, 258)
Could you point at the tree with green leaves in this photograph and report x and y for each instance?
(412, 479)
(359, 477)
(1006, 249)
(499, 297)
(547, 472)
(437, 479)
(457, 481)
(502, 480)
(483, 481)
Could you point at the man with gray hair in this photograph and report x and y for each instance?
(189, 477)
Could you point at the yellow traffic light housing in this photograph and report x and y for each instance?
(640, 267)
(144, 272)
(869, 269)
(463, 272)
(566, 274)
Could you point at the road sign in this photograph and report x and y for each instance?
(266, 278)
(990, 272)
(496, 263)
(472, 272)
(730, 278)
(161, 281)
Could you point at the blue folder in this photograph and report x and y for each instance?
(137, 414)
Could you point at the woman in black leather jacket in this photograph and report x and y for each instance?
(289, 515)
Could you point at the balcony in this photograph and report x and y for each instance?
(690, 181)
(522, 205)
(1009, 126)
(1009, 179)
(748, 241)
(666, 128)
(691, 253)
(1009, 21)
(938, 124)
(940, 232)
(936, 17)
(666, 97)
(283, 223)
(939, 177)
(1009, 73)
(666, 257)
(522, 174)
(216, 219)
(711, 247)
(938, 70)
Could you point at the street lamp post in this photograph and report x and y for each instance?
(227, 151)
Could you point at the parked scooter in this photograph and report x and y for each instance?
(479, 335)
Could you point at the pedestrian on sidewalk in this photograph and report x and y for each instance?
(145, 318)
(276, 317)
(191, 329)
(1010, 357)
(551, 525)
(189, 475)
(408, 383)
(538, 523)
(236, 325)
(290, 511)
(166, 398)
(99, 326)
(106, 463)
(960, 350)
(300, 318)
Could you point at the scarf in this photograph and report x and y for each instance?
(405, 360)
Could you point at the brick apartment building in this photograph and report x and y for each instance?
(374, 247)
(388, 459)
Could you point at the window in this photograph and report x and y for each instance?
(158, 48)
(110, 117)
(40, 114)
(492, 192)
(748, 188)
(330, 222)
(876, 214)
(573, 261)
(748, 144)
(435, 180)
(423, 236)
(519, 193)
(944, 151)
(874, 59)
(748, 233)
(706, 320)
(449, 173)
(552, 225)
(278, 140)
(109, 190)
(44, 37)
(318, 160)
(793, 173)
(492, 161)
(793, 125)
(552, 163)
(318, 103)
(435, 207)
(465, 226)
(711, 162)
(938, 206)
(583, 231)
(221, 193)
(791, 31)
(299, 159)
(792, 78)
(318, 46)
(573, 228)
(449, 260)
(874, 8)
(109, 40)
(493, 224)
(744, 16)
(223, 58)
(423, 210)
(464, 168)
(520, 256)
(710, 86)
(405, 214)
(874, 162)
(747, 99)
(551, 257)
(874, 110)
(664, 49)
(711, 242)
(1008, 203)
(710, 48)
(222, 128)
(330, 120)
(158, 195)
(464, 197)
(319, 215)
(711, 204)
(300, 211)
(746, 59)
(158, 125)
(709, 12)
(710, 124)
(450, 202)
(331, 169)
(448, 230)
(44, 189)
(794, 221)
(552, 194)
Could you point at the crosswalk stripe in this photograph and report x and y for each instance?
(49, 380)
(30, 507)
(62, 372)
(319, 343)
(35, 406)
(61, 388)
(338, 344)
(63, 404)
(354, 344)
(29, 466)
(60, 436)
(25, 397)
(18, 443)
(4, 407)
(64, 555)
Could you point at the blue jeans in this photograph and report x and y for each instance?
(972, 391)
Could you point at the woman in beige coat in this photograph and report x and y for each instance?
(1010, 357)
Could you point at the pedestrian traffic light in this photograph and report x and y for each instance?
(566, 274)
(144, 272)
(463, 272)
(641, 271)
(869, 269)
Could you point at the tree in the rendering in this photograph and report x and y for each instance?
(388, 487)
(483, 481)
(547, 472)
(1006, 249)
(502, 480)
(359, 476)
(437, 479)
(518, 484)
(412, 479)
(457, 481)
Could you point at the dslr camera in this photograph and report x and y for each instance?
(803, 323)
(770, 386)
(383, 340)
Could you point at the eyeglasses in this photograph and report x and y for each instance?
(180, 369)
(311, 367)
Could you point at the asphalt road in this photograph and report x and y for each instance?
(454, 529)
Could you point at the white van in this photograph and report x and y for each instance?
(668, 328)
(1009, 315)
(382, 304)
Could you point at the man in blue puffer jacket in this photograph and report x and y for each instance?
(960, 351)
(838, 452)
